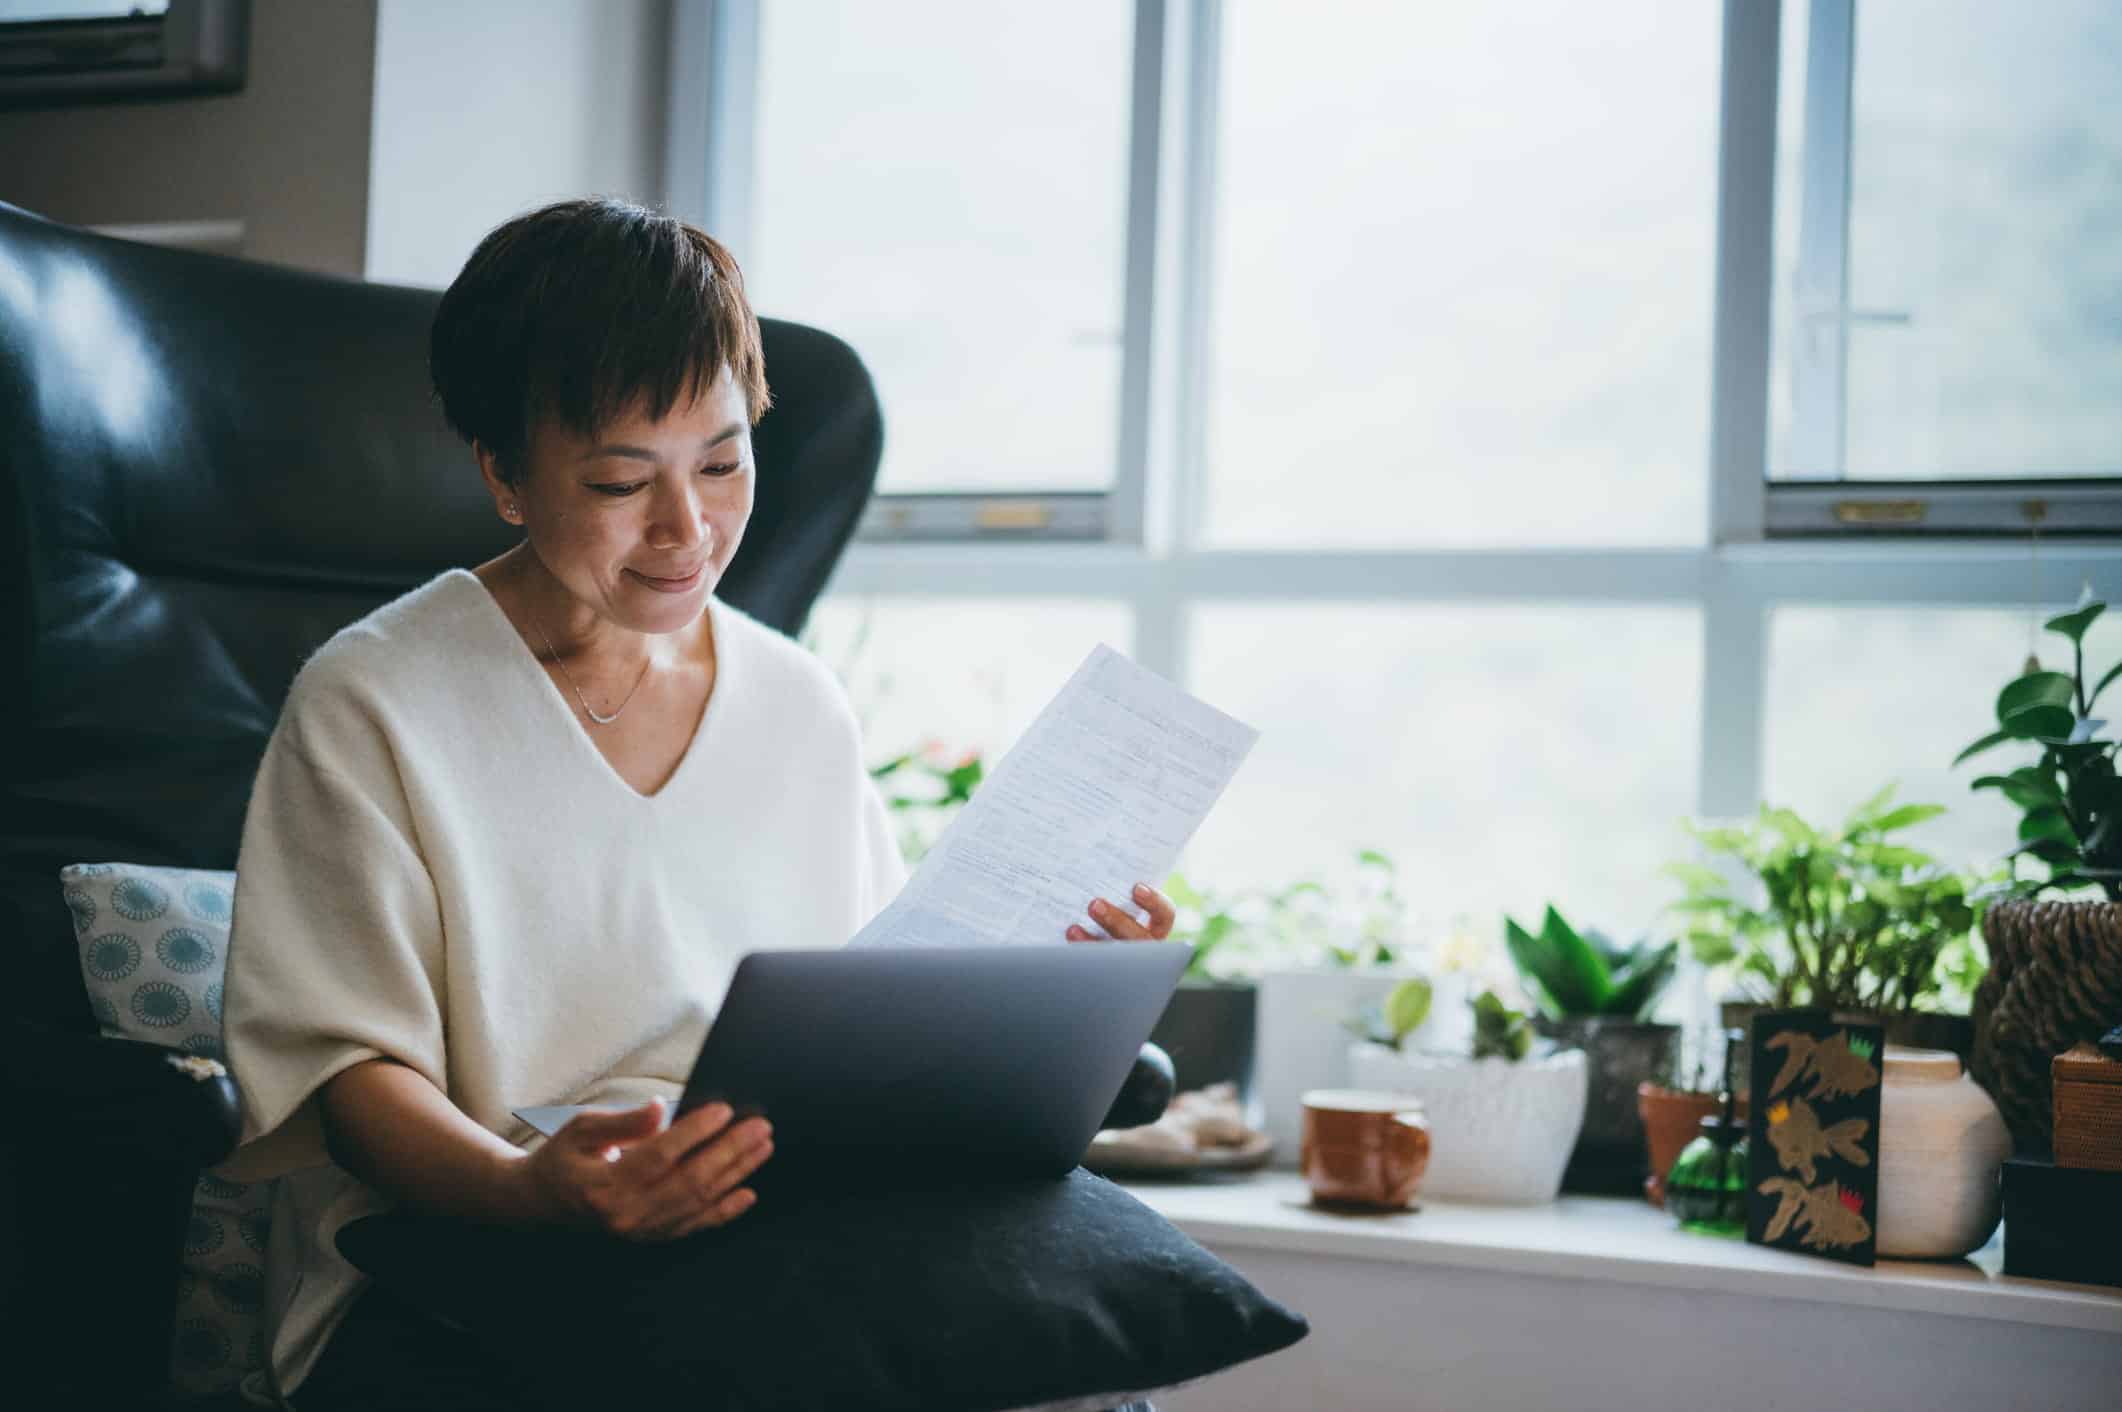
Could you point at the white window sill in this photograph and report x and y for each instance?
(1615, 1239)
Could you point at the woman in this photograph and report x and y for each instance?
(515, 829)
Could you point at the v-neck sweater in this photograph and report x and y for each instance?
(439, 867)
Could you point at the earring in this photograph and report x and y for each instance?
(513, 511)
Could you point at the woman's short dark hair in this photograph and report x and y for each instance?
(579, 311)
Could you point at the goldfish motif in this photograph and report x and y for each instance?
(1823, 1216)
(1839, 1065)
(1794, 1131)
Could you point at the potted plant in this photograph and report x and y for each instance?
(1673, 1102)
(1502, 1116)
(2055, 932)
(1844, 919)
(1593, 995)
(1324, 951)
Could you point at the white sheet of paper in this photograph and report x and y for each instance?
(1101, 793)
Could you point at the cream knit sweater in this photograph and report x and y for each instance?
(440, 868)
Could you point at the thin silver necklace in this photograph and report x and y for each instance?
(600, 720)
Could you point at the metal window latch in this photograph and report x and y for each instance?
(1881, 512)
(1012, 515)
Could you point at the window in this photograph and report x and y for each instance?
(957, 674)
(1949, 304)
(1911, 684)
(1463, 271)
(1500, 755)
(946, 186)
(1468, 402)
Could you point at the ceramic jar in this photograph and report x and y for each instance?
(1941, 1146)
(1499, 1131)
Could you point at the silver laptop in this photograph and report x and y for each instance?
(884, 1061)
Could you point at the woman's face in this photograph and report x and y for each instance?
(640, 524)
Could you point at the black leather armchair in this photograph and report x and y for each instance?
(207, 467)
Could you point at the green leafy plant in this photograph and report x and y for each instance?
(2069, 799)
(1203, 920)
(1500, 1031)
(1400, 1014)
(1360, 923)
(924, 790)
(1847, 918)
(1570, 973)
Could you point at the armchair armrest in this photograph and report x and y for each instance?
(107, 1139)
(120, 1100)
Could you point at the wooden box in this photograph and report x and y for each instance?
(2088, 1089)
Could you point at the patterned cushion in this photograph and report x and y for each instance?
(153, 944)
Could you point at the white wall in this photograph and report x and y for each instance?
(487, 108)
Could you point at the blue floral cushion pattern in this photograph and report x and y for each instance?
(153, 944)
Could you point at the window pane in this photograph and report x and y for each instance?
(1503, 756)
(1984, 318)
(1860, 696)
(963, 674)
(943, 185)
(1464, 274)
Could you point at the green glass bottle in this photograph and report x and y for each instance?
(1706, 1189)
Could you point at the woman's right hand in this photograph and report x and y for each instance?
(629, 1174)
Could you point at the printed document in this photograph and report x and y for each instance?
(1101, 793)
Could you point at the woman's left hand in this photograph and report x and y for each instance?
(1120, 925)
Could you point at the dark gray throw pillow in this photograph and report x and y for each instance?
(943, 1298)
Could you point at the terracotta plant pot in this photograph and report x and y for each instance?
(2055, 978)
(1671, 1118)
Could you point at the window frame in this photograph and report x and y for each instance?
(1750, 563)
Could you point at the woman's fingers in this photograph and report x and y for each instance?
(1162, 915)
(701, 1185)
(728, 1209)
(709, 1174)
(599, 1131)
(655, 1158)
(1121, 925)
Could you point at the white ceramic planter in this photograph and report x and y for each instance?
(1300, 1043)
(1941, 1146)
(1499, 1132)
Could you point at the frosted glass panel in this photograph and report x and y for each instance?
(943, 184)
(1503, 756)
(963, 674)
(1464, 274)
(1984, 318)
(1859, 696)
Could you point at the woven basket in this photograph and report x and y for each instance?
(2055, 979)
